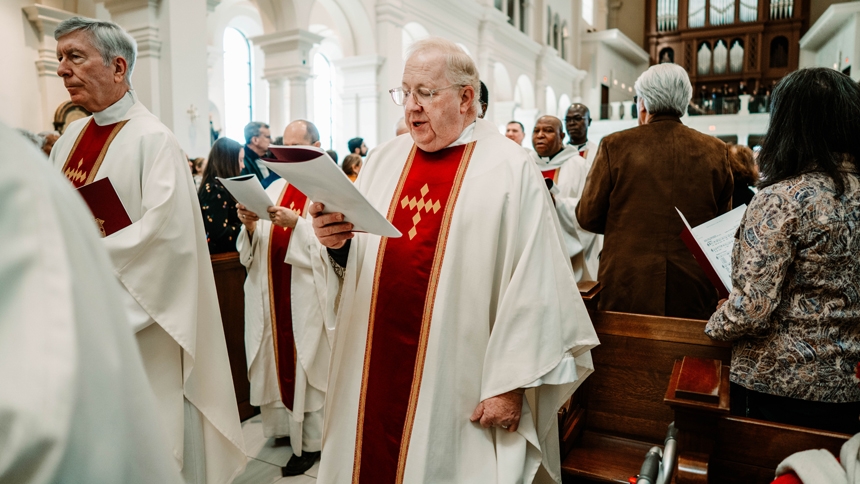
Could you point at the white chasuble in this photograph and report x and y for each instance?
(301, 416)
(568, 171)
(75, 404)
(476, 299)
(163, 263)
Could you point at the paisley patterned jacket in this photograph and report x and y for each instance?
(794, 310)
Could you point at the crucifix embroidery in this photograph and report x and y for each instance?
(421, 204)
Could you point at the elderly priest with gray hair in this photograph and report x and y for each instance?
(638, 178)
(455, 344)
(161, 258)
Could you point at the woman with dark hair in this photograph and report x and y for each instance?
(351, 166)
(219, 209)
(744, 173)
(794, 310)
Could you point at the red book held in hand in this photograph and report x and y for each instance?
(106, 206)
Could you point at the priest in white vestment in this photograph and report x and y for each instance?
(577, 122)
(455, 344)
(75, 404)
(567, 170)
(161, 259)
(270, 365)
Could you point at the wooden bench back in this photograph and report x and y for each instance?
(633, 365)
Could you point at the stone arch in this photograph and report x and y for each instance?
(524, 93)
(551, 102)
(502, 90)
(564, 103)
(413, 32)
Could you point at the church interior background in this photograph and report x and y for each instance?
(333, 61)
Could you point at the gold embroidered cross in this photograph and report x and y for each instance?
(297, 210)
(421, 204)
(101, 226)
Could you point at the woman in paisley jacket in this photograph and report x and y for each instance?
(794, 310)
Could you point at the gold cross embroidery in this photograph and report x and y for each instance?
(101, 226)
(422, 204)
(298, 211)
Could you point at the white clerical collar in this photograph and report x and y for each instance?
(116, 111)
(466, 136)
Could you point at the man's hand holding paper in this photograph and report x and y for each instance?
(312, 172)
(330, 228)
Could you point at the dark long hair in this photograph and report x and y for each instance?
(814, 127)
(223, 161)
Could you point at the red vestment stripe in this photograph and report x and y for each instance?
(407, 274)
(280, 300)
(551, 174)
(88, 152)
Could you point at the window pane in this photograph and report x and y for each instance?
(237, 84)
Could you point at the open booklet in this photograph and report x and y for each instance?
(248, 191)
(316, 175)
(711, 244)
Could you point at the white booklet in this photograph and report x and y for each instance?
(711, 244)
(316, 175)
(248, 191)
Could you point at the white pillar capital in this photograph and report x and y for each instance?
(390, 11)
(121, 6)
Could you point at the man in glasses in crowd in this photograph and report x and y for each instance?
(457, 342)
(577, 121)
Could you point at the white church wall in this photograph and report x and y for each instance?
(834, 40)
(24, 105)
(613, 60)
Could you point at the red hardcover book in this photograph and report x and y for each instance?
(704, 263)
(711, 245)
(106, 206)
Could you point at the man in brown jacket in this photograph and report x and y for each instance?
(638, 178)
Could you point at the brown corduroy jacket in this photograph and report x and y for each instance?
(638, 178)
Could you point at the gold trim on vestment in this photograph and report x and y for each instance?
(356, 465)
(429, 302)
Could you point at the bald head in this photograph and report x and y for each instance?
(301, 133)
(577, 121)
(548, 136)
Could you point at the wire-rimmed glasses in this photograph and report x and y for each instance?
(423, 96)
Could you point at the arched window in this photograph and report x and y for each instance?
(588, 11)
(564, 35)
(511, 12)
(667, 56)
(238, 109)
(721, 57)
(522, 7)
(548, 26)
(704, 59)
(736, 56)
(323, 95)
(779, 52)
(556, 34)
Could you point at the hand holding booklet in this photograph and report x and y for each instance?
(315, 174)
(248, 191)
(711, 244)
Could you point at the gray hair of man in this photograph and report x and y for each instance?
(664, 89)
(108, 38)
(460, 69)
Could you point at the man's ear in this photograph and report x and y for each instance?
(120, 66)
(467, 99)
(317, 144)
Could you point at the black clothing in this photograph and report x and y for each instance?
(220, 218)
(252, 167)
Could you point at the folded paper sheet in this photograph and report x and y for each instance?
(312, 171)
(248, 191)
(711, 244)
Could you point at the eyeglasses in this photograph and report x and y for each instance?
(423, 96)
(573, 118)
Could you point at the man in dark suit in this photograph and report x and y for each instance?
(638, 178)
(257, 141)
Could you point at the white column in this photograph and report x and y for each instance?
(745, 104)
(287, 56)
(628, 109)
(615, 107)
(141, 19)
(53, 94)
(361, 97)
(389, 39)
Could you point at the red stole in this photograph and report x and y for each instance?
(280, 301)
(89, 150)
(401, 309)
(551, 174)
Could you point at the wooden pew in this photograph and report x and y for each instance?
(717, 447)
(230, 282)
(619, 412)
